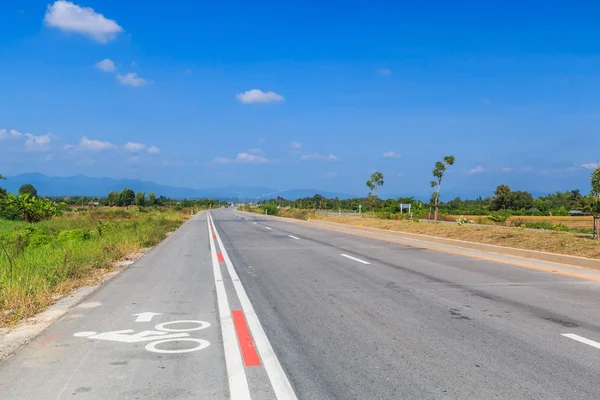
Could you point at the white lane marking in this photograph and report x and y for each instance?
(238, 384)
(293, 237)
(201, 325)
(254, 223)
(202, 344)
(355, 259)
(129, 336)
(281, 385)
(581, 339)
(145, 316)
(267, 227)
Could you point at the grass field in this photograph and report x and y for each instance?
(41, 262)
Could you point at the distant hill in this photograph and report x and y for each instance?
(82, 185)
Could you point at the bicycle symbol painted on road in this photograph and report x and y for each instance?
(164, 333)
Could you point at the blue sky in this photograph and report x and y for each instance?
(303, 94)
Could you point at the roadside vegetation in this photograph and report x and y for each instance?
(562, 222)
(50, 247)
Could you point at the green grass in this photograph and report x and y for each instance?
(43, 261)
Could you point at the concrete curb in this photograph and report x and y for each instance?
(490, 248)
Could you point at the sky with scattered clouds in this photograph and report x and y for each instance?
(279, 95)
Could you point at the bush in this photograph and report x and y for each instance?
(539, 225)
(73, 235)
(561, 228)
(271, 209)
(499, 218)
(518, 222)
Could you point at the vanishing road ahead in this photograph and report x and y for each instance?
(240, 306)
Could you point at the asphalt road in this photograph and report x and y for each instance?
(278, 310)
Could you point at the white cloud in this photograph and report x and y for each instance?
(139, 147)
(590, 165)
(134, 147)
(40, 142)
(106, 65)
(296, 145)
(390, 154)
(69, 17)
(330, 175)
(32, 142)
(477, 170)
(90, 144)
(318, 156)
(258, 96)
(132, 79)
(400, 174)
(384, 72)
(507, 169)
(256, 151)
(12, 134)
(242, 158)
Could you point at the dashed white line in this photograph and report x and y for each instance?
(267, 227)
(279, 381)
(581, 339)
(238, 383)
(293, 237)
(355, 259)
(254, 223)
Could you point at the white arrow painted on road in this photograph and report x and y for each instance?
(145, 316)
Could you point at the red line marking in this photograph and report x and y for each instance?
(220, 257)
(249, 353)
(214, 237)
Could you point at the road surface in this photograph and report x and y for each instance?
(239, 306)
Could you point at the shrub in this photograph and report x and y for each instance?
(499, 218)
(561, 228)
(518, 222)
(539, 225)
(74, 235)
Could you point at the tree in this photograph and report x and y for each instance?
(140, 198)
(595, 183)
(2, 190)
(521, 200)
(502, 198)
(113, 198)
(30, 208)
(438, 173)
(374, 183)
(576, 200)
(28, 188)
(126, 198)
(152, 198)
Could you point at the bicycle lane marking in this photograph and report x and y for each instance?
(279, 381)
(238, 383)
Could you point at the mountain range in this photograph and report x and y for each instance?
(81, 185)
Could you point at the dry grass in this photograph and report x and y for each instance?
(571, 222)
(552, 242)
